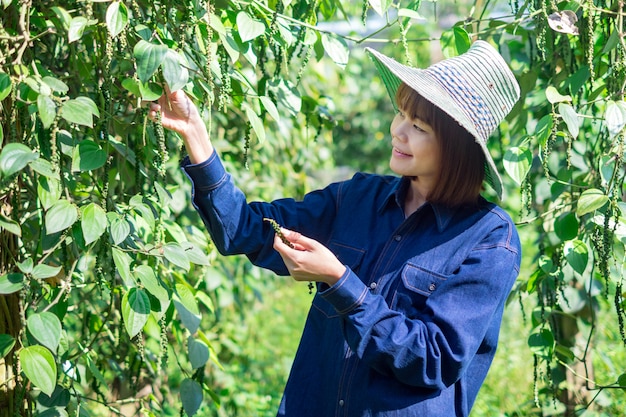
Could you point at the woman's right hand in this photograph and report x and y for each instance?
(180, 114)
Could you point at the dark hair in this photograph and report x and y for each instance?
(462, 159)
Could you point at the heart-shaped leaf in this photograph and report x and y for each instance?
(248, 27)
(39, 366)
(135, 310)
(46, 328)
(149, 57)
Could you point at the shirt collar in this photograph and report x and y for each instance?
(397, 193)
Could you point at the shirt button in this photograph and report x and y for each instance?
(397, 238)
(341, 403)
(432, 286)
(373, 286)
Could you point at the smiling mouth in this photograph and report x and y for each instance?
(399, 152)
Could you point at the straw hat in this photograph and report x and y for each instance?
(476, 88)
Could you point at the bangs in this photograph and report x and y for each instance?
(414, 104)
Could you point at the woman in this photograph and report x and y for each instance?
(412, 271)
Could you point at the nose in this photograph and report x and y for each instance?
(399, 129)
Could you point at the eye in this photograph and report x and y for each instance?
(419, 129)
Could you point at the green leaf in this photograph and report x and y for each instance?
(9, 225)
(566, 226)
(198, 352)
(149, 57)
(14, 157)
(93, 222)
(174, 253)
(542, 343)
(119, 229)
(187, 308)
(461, 39)
(77, 28)
(87, 156)
(48, 191)
(615, 117)
(135, 310)
(55, 84)
(79, 111)
(45, 168)
(60, 216)
(6, 344)
(122, 262)
(39, 367)
(411, 14)
(270, 107)
(11, 282)
(554, 96)
(256, 123)
(47, 110)
(517, 163)
(621, 381)
(116, 18)
(132, 85)
(190, 396)
(43, 271)
(249, 28)
(175, 70)
(146, 276)
(195, 254)
(591, 200)
(570, 117)
(380, 6)
(6, 84)
(150, 91)
(543, 130)
(336, 48)
(577, 254)
(46, 328)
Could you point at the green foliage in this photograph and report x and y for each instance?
(106, 273)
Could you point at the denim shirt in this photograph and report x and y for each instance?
(411, 327)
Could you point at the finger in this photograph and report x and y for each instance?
(298, 240)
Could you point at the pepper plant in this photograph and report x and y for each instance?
(107, 277)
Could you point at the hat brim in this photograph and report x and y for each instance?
(393, 74)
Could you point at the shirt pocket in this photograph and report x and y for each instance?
(415, 286)
(348, 255)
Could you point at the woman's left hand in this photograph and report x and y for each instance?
(308, 260)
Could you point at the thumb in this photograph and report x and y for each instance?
(299, 241)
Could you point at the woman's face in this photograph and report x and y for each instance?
(416, 151)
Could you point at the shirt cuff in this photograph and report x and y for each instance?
(346, 294)
(206, 175)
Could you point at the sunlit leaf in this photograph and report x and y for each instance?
(187, 308)
(45, 168)
(39, 367)
(135, 310)
(256, 123)
(554, 96)
(80, 111)
(6, 85)
(591, 200)
(517, 163)
(149, 57)
(116, 18)
(615, 117)
(174, 253)
(249, 28)
(93, 222)
(46, 328)
(77, 28)
(122, 262)
(11, 283)
(380, 6)
(576, 254)
(146, 276)
(336, 48)
(270, 107)
(55, 84)
(175, 70)
(14, 157)
(570, 117)
(60, 216)
(10, 225)
(543, 130)
(43, 271)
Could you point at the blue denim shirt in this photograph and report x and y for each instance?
(412, 326)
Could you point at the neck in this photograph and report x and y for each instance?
(415, 197)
